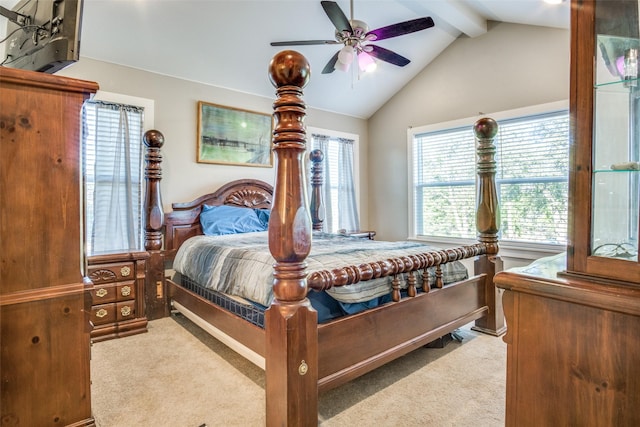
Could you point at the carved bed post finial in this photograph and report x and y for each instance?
(156, 305)
(317, 204)
(488, 224)
(291, 323)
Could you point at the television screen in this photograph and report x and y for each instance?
(42, 35)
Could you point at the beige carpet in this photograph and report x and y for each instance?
(177, 375)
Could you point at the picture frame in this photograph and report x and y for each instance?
(233, 136)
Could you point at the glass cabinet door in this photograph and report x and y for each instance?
(615, 220)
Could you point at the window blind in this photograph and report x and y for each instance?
(532, 180)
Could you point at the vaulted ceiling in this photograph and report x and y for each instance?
(227, 43)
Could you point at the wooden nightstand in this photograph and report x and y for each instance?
(117, 297)
(365, 234)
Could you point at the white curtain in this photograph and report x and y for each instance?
(338, 188)
(113, 157)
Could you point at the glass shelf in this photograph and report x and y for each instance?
(616, 171)
(619, 85)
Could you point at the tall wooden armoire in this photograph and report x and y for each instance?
(44, 307)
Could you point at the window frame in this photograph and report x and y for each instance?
(513, 249)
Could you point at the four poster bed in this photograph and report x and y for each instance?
(288, 321)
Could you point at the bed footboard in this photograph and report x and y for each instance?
(355, 345)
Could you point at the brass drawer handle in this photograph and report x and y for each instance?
(101, 292)
(125, 271)
(125, 291)
(125, 311)
(101, 313)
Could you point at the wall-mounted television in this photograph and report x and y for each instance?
(42, 35)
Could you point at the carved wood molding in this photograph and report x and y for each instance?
(248, 198)
(102, 275)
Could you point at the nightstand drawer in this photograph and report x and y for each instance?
(126, 291)
(103, 313)
(125, 310)
(109, 273)
(103, 294)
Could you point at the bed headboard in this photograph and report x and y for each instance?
(184, 220)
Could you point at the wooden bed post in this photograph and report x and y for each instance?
(154, 289)
(488, 225)
(290, 322)
(317, 204)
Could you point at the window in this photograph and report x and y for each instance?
(532, 178)
(113, 170)
(339, 169)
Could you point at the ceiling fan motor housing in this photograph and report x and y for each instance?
(356, 38)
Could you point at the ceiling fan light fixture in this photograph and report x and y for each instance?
(345, 58)
(366, 62)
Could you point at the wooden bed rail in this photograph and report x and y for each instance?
(326, 279)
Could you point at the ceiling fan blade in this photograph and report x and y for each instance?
(387, 56)
(331, 65)
(304, 42)
(401, 28)
(337, 16)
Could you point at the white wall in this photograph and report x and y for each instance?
(510, 66)
(175, 101)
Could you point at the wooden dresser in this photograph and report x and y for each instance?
(44, 305)
(117, 297)
(573, 352)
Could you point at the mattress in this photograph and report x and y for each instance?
(241, 266)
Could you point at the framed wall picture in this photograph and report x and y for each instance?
(233, 136)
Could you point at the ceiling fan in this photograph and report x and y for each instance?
(356, 38)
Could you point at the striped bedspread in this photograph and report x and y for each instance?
(241, 264)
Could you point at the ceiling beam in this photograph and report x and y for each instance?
(452, 12)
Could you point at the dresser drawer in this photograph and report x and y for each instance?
(125, 310)
(109, 273)
(103, 313)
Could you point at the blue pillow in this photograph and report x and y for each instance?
(263, 216)
(218, 220)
